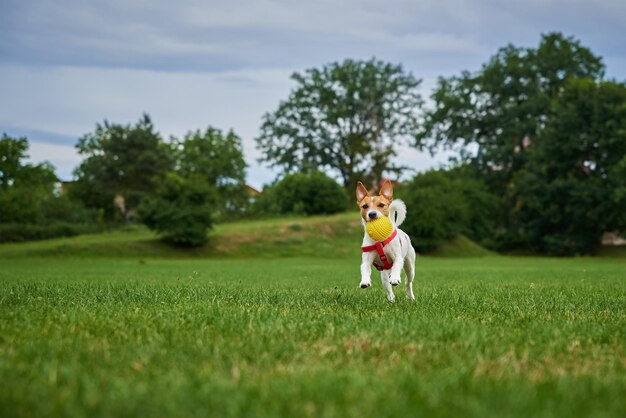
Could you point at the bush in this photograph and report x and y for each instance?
(445, 204)
(65, 209)
(17, 232)
(181, 210)
(311, 193)
(29, 214)
(23, 205)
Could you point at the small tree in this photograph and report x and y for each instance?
(218, 157)
(346, 117)
(24, 188)
(181, 209)
(120, 159)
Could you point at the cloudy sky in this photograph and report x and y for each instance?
(65, 65)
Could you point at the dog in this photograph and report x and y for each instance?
(398, 250)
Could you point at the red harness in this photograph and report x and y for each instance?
(379, 248)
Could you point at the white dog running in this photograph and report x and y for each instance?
(398, 251)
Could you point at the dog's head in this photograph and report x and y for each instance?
(373, 207)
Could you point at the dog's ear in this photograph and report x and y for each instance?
(361, 192)
(386, 190)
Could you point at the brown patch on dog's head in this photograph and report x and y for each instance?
(378, 205)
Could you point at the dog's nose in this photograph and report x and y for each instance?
(371, 215)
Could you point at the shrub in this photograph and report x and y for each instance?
(311, 193)
(181, 209)
(29, 215)
(17, 232)
(445, 204)
(65, 209)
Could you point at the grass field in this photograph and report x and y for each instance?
(89, 334)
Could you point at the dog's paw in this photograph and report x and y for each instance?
(394, 282)
(365, 285)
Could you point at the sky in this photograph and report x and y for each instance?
(66, 65)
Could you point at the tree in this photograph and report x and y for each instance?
(12, 152)
(181, 209)
(15, 173)
(573, 187)
(219, 159)
(345, 117)
(501, 109)
(120, 159)
(24, 188)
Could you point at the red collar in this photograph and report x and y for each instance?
(378, 246)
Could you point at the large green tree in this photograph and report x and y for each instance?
(218, 158)
(574, 186)
(497, 112)
(121, 159)
(345, 117)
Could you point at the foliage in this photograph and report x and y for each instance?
(549, 138)
(573, 188)
(120, 159)
(217, 157)
(500, 109)
(444, 205)
(20, 232)
(181, 209)
(311, 193)
(346, 117)
(29, 207)
(25, 189)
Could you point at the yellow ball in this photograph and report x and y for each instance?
(379, 229)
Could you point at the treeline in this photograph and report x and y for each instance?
(541, 161)
(128, 174)
(540, 135)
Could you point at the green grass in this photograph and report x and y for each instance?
(492, 336)
(267, 321)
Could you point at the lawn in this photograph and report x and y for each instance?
(293, 336)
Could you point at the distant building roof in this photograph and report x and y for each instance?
(252, 191)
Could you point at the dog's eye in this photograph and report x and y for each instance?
(381, 205)
(365, 206)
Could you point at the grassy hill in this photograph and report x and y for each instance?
(333, 236)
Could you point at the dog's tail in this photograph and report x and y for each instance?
(397, 212)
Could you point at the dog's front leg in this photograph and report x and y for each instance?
(366, 269)
(396, 269)
(384, 277)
